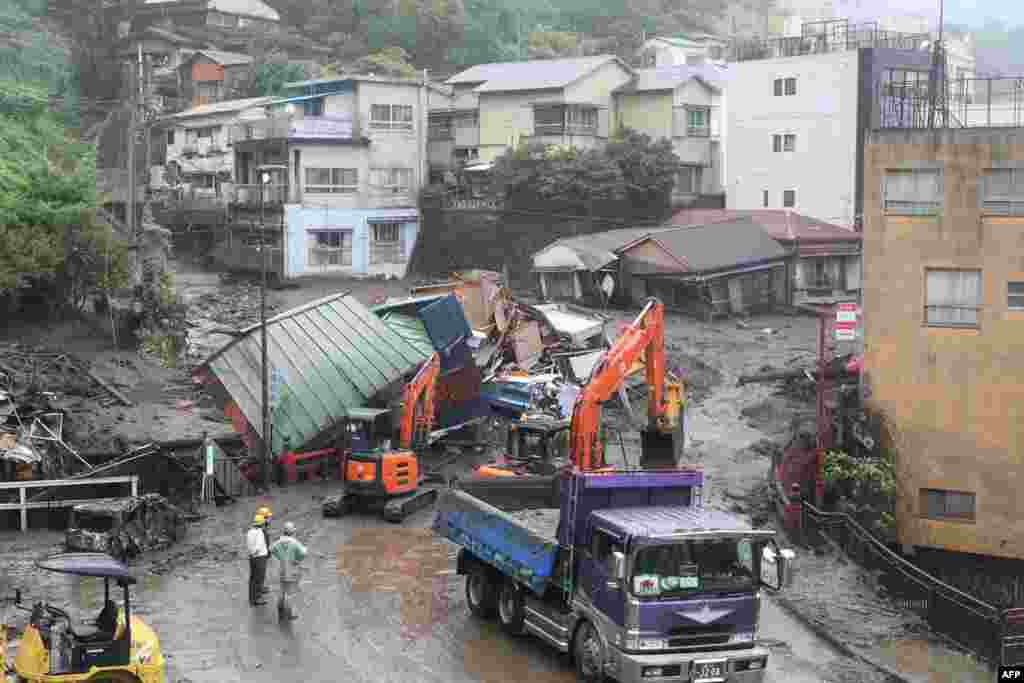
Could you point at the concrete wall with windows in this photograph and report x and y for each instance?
(952, 392)
(823, 114)
(306, 257)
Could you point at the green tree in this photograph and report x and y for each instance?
(648, 169)
(269, 77)
(533, 173)
(551, 44)
(47, 203)
(392, 61)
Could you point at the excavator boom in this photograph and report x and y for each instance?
(416, 424)
(645, 339)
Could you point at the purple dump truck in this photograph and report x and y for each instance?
(624, 571)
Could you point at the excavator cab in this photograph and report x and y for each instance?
(372, 468)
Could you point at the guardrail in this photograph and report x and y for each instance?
(23, 505)
(993, 634)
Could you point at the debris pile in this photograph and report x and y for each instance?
(125, 527)
(541, 522)
(213, 316)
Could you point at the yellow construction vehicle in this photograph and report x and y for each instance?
(117, 648)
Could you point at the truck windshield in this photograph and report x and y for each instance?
(695, 566)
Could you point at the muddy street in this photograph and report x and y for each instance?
(382, 602)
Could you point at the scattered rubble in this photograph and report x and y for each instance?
(125, 527)
(541, 522)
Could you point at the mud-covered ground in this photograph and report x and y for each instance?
(381, 602)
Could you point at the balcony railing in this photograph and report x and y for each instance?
(249, 195)
(838, 38)
(271, 128)
(963, 103)
(540, 129)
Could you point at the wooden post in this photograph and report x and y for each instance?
(24, 510)
(135, 485)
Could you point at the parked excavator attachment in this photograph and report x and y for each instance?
(661, 449)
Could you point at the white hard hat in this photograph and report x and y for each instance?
(289, 528)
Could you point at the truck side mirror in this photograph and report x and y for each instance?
(17, 596)
(618, 566)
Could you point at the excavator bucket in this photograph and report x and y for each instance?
(661, 449)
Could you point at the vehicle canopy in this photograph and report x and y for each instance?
(99, 565)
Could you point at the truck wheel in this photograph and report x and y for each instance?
(510, 607)
(480, 593)
(588, 653)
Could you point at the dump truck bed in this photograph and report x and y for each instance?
(521, 544)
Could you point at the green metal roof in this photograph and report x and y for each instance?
(335, 355)
(411, 329)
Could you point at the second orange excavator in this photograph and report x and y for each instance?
(377, 476)
(662, 440)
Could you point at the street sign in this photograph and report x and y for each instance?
(847, 322)
(210, 451)
(278, 381)
(846, 334)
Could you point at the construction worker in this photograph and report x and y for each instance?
(256, 543)
(289, 553)
(267, 515)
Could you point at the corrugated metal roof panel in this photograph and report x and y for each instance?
(336, 355)
(411, 329)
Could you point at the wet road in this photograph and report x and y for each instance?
(379, 603)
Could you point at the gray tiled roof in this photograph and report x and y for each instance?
(540, 74)
(225, 58)
(720, 245)
(671, 77)
(597, 250)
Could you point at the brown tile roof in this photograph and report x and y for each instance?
(781, 224)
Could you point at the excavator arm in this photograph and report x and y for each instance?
(419, 393)
(644, 339)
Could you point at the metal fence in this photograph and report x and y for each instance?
(826, 37)
(905, 101)
(993, 634)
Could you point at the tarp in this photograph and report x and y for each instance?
(449, 331)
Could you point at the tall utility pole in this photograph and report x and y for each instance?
(267, 445)
(132, 128)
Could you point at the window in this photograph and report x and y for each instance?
(207, 133)
(694, 566)
(1015, 296)
(391, 116)
(397, 180)
(784, 86)
(788, 199)
(947, 505)
(1004, 192)
(789, 143)
(313, 107)
(332, 180)
(386, 232)
(764, 199)
(548, 119)
(330, 247)
(226, 20)
(386, 246)
(778, 87)
(790, 86)
(952, 297)
(776, 143)
(697, 121)
(582, 117)
(170, 137)
(602, 545)
(913, 192)
(440, 128)
(688, 180)
(469, 120)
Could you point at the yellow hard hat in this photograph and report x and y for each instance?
(265, 511)
(258, 520)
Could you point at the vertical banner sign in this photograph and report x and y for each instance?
(278, 379)
(209, 457)
(847, 317)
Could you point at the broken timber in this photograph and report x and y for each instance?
(122, 399)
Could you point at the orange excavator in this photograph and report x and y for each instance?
(377, 476)
(643, 342)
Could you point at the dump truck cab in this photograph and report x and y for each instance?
(117, 647)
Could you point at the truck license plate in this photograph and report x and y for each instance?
(708, 672)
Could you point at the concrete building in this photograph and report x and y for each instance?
(248, 16)
(684, 50)
(345, 159)
(797, 115)
(194, 147)
(553, 101)
(682, 104)
(167, 51)
(944, 319)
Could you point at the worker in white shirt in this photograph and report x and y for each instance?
(256, 542)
